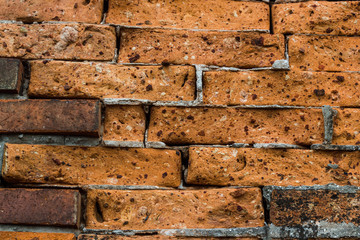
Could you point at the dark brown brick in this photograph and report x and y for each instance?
(11, 72)
(40, 207)
(50, 116)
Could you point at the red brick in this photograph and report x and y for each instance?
(279, 167)
(57, 41)
(347, 127)
(191, 14)
(317, 17)
(242, 49)
(50, 116)
(58, 79)
(293, 88)
(174, 125)
(160, 237)
(295, 207)
(36, 236)
(40, 207)
(65, 165)
(54, 10)
(324, 53)
(173, 209)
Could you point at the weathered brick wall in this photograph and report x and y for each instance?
(174, 119)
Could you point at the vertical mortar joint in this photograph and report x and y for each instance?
(328, 114)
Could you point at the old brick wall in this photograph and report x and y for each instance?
(174, 119)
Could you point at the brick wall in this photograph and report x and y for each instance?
(172, 119)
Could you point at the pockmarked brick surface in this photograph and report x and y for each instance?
(50, 116)
(169, 209)
(242, 49)
(57, 41)
(11, 74)
(40, 207)
(68, 165)
(293, 207)
(160, 237)
(324, 53)
(38, 11)
(292, 88)
(213, 14)
(279, 167)
(317, 17)
(177, 125)
(124, 123)
(58, 79)
(36, 236)
(347, 127)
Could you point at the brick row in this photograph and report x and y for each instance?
(160, 237)
(36, 236)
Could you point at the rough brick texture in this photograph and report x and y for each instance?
(163, 209)
(243, 50)
(234, 125)
(347, 127)
(192, 14)
(56, 79)
(40, 207)
(36, 236)
(11, 74)
(114, 237)
(65, 165)
(50, 116)
(55, 10)
(57, 41)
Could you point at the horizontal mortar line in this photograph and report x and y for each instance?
(333, 147)
(321, 35)
(54, 23)
(38, 229)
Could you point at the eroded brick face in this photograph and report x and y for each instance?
(37, 236)
(112, 237)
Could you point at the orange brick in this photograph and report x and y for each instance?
(293, 88)
(191, 14)
(317, 17)
(58, 41)
(160, 237)
(36, 236)
(38, 11)
(124, 123)
(324, 53)
(279, 167)
(57, 79)
(228, 125)
(65, 165)
(242, 49)
(347, 127)
(173, 209)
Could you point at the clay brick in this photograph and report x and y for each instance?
(65, 10)
(293, 88)
(279, 167)
(124, 123)
(191, 14)
(174, 126)
(40, 207)
(242, 49)
(295, 207)
(57, 41)
(36, 236)
(57, 79)
(160, 237)
(50, 116)
(173, 209)
(11, 73)
(347, 127)
(317, 17)
(65, 165)
(324, 53)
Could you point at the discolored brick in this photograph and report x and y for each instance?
(54, 10)
(192, 14)
(324, 53)
(317, 17)
(160, 237)
(57, 41)
(173, 125)
(293, 88)
(347, 127)
(58, 79)
(36, 236)
(50, 116)
(241, 49)
(173, 209)
(11, 73)
(300, 207)
(40, 207)
(278, 167)
(65, 165)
